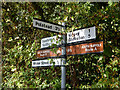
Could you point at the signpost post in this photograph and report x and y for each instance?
(63, 68)
(72, 37)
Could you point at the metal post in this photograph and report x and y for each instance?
(63, 68)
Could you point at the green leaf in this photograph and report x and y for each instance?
(65, 18)
(115, 69)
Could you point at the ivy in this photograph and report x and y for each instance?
(20, 42)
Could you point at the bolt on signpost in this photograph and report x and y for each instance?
(66, 50)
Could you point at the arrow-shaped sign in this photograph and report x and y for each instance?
(94, 47)
(48, 62)
(47, 26)
(81, 35)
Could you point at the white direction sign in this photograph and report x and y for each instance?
(46, 26)
(46, 42)
(81, 35)
(47, 62)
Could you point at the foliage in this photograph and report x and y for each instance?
(21, 40)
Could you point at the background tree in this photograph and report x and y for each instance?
(21, 40)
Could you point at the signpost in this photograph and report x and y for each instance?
(72, 37)
(47, 62)
(47, 26)
(81, 35)
(46, 42)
